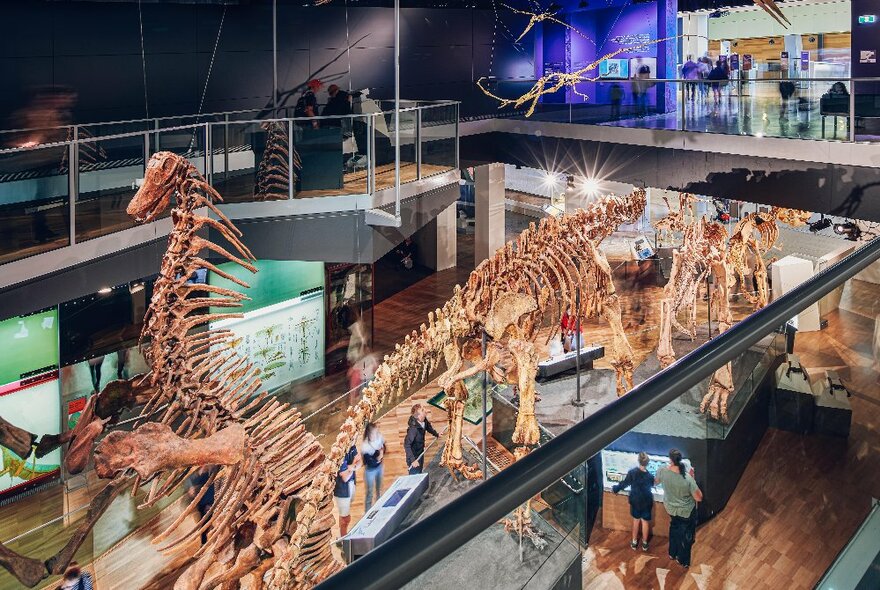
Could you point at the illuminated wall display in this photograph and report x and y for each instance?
(285, 341)
(29, 395)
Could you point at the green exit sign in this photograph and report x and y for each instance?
(867, 18)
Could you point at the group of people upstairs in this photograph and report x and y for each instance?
(680, 497)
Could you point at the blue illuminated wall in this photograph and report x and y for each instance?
(604, 30)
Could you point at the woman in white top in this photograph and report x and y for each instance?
(373, 452)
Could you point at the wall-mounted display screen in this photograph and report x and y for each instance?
(30, 346)
(285, 341)
(615, 465)
(29, 394)
(614, 68)
(102, 323)
(35, 407)
(274, 282)
(92, 375)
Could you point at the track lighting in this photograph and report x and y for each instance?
(820, 224)
(849, 230)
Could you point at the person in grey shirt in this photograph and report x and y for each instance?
(680, 497)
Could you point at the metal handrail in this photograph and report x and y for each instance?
(421, 104)
(414, 550)
(693, 81)
(201, 125)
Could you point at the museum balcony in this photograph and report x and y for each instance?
(64, 190)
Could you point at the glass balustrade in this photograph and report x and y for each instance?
(34, 201)
(839, 109)
(246, 160)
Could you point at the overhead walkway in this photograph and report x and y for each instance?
(63, 191)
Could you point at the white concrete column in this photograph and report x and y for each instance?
(447, 239)
(695, 27)
(489, 197)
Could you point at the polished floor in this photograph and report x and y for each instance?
(800, 499)
(760, 116)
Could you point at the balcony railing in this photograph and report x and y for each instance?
(66, 185)
(836, 109)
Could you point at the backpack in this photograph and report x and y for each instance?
(307, 99)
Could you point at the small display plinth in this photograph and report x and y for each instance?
(385, 516)
(616, 516)
(792, 410)
(833, 414)
(568, 361)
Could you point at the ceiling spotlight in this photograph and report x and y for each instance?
(104, 290)
(819, 225)
(589, 186)
(135, 288)
(849, 230)
(551, 179)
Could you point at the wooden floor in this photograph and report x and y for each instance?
(800, 499)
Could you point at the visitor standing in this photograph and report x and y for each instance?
(704, 66)
(307, 104)
(639, 83)
(680, 497)
(338, 104)
(690, 71)
(194, 486)
(76, 578)
(343, 491)
(718, 76)
(414, 442)
(616, 95)
(373, 452)
(641, 499)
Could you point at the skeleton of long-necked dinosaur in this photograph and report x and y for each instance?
(508, 295)
(210, 412)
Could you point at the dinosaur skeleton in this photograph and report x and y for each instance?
(753, 237)
(210, 413)
(706, 251)
(269, 469)
(703, 253)
(274, 173)
(506, 296)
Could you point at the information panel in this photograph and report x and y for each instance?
(284, 341)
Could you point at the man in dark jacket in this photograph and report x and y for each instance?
(414, 443)
(339, 103)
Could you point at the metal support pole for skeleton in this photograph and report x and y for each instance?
(577, 402)
(485, 411)
(397, 109)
